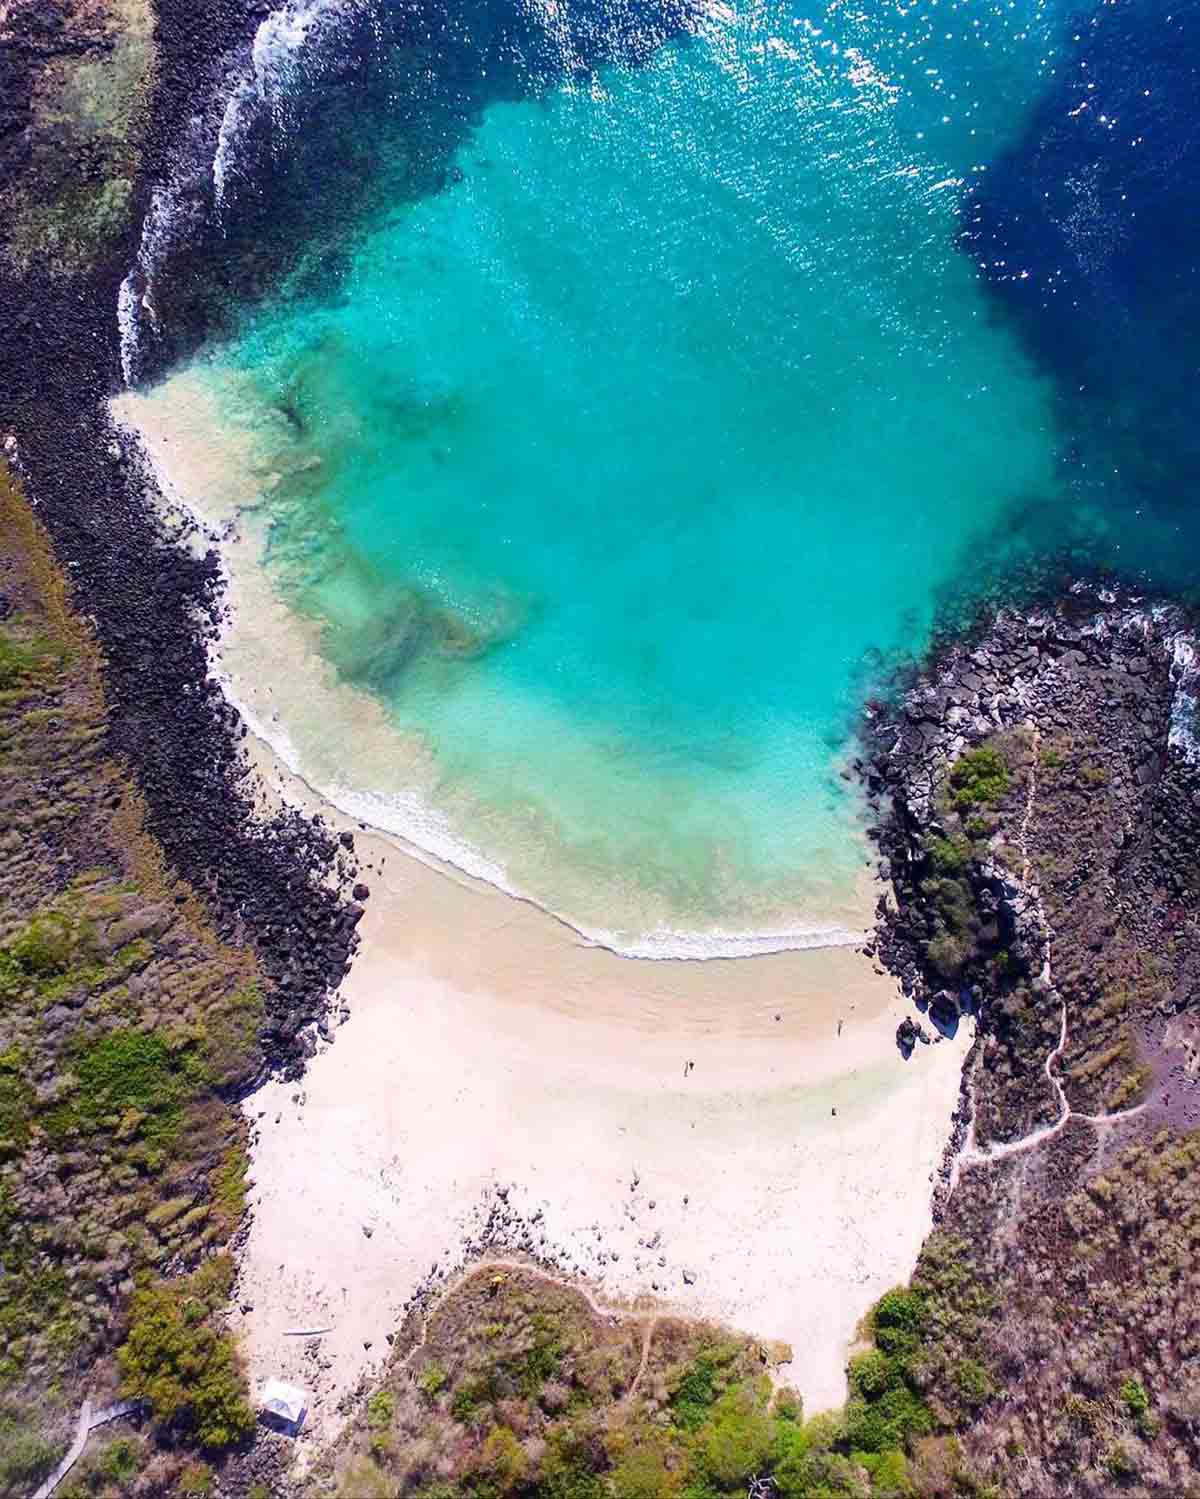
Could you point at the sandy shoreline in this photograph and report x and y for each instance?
(780, 1183)
(220, 454)
(487, 1048)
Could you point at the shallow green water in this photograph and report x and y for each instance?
(645, 443)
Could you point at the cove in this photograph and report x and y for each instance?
(617, 468)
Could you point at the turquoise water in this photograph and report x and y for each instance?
(649, 440)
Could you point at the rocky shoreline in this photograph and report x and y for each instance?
(283, 885)
(1037, 805)
(1092, 687)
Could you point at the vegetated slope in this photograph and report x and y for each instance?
(75, 81)
(1042, 833)
(126, 1029)
(519, 1385)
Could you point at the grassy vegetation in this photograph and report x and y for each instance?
(26, 1456)
(176, 1358)
(980, 777)
(123, 1022)
(519, 1389)
(960, 936)
(88, 104)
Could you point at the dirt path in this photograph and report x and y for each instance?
(611, 1314)
(647, 1339)
(972, 1155)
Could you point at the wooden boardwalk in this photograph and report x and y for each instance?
(89, 1419)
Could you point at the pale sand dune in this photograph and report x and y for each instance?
(488, 1047)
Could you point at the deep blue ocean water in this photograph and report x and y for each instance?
(718, 350)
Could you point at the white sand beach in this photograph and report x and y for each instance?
(779, 1183)
(787, 1172)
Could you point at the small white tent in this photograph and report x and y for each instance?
(283, 1405)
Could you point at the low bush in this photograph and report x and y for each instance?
(947, 856)
(25, 1456)
(701, 1386)
(22, 662)
(504, 1459)
(16, 1103)
(973, 1382)
(738, 1437)
(177, 1360)
(120, 1460)
(979, 778)
(381, 1410)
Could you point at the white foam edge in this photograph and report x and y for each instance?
(1185, 674)
(423, 833)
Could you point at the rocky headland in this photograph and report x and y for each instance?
(1038, 797)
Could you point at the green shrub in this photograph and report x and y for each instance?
(897, 1319)
(888, 1421)
(889, 1473)
(869, 1374)
(530, 1370)
(471, 1397)
(820, 1474)
(955, 903)
(1134, 1397)
(183, 1366)
(16, 1103)
(737, 1439)
(947, 856)
(432, 1380)
(700, 1387)
(980, 777)
(947, 955)
(130, 1072)
(567, 1467)
(504, 1459)
(196, 1479)
(641, 1472)
(1119, 1462)
(120, 1460)
(973, 1383)
(25, 1456)
(46, 946)
(789, 1406)
(381, 1410)
(22, 662)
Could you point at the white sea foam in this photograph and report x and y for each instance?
(157, 230)
(223, 156)
(1185, 674)
(271, 74)
(425, 834)
(127, 326)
